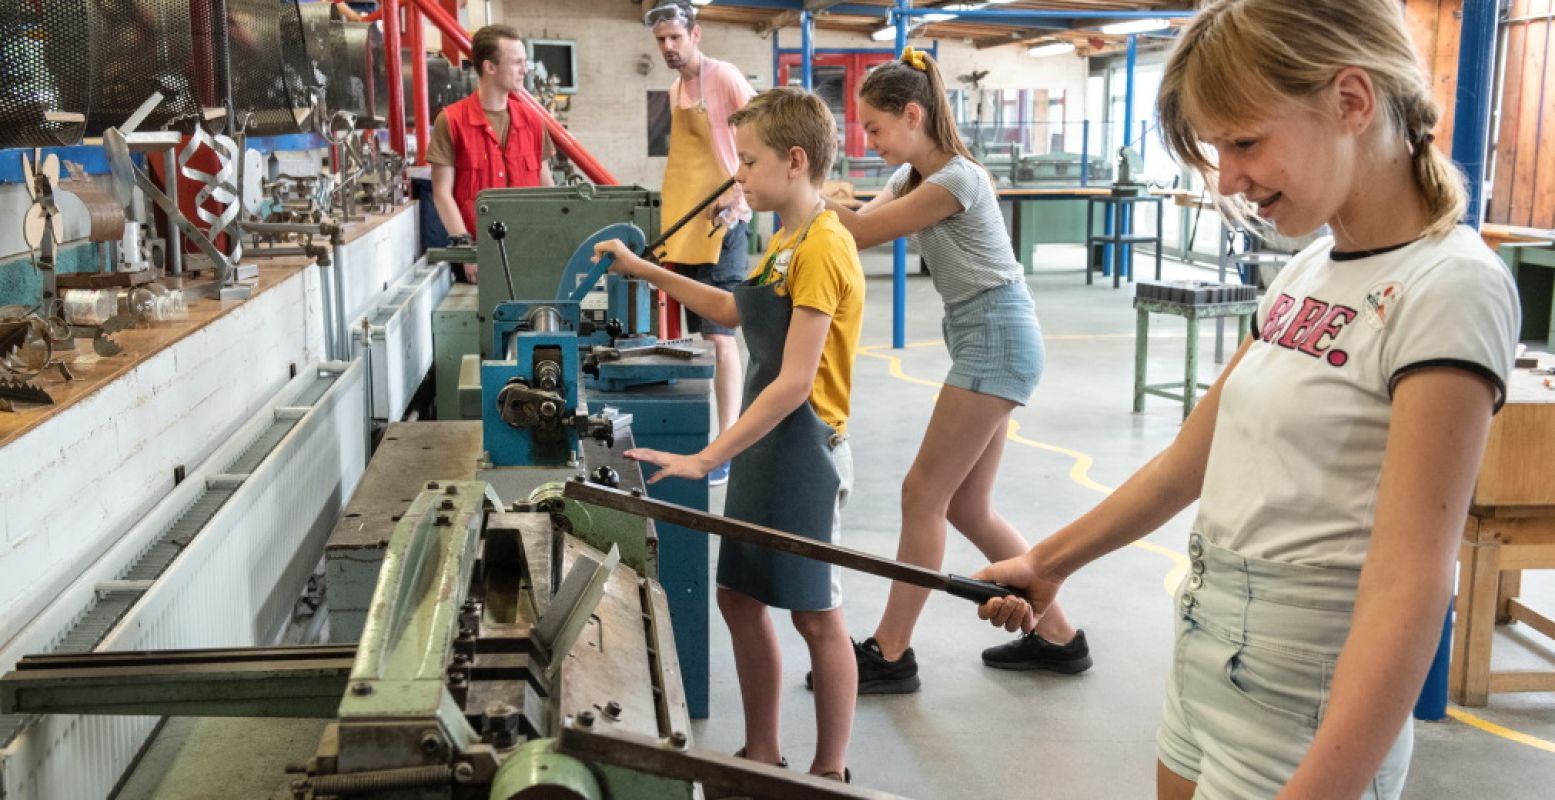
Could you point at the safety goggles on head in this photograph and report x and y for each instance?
(674, 13)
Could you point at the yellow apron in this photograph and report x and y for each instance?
(690, 175)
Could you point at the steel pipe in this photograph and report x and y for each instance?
(391, 54)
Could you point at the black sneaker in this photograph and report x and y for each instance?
(782, 761)
(879, 675)
(1030, 651)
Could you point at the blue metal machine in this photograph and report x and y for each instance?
(532, 397)
(531, 390)
(584, 364)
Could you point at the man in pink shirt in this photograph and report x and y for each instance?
(701, 157)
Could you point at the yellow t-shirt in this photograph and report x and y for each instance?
(825, 274)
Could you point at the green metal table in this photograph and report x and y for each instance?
(1189, 386)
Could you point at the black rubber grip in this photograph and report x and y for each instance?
(977, 591)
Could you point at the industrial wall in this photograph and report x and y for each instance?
(618, 63)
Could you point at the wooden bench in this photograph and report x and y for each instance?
(1510, 528)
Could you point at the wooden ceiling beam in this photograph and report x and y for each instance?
(780, 20)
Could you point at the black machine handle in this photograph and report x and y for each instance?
(648, 252)
(977, 591)
(498, 230)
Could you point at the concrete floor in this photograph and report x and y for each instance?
(977, 732)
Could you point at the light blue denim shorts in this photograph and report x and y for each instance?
(1256, 646)
(995, 343)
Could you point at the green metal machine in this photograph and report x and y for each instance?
(544, 227)
(510, 652)
(668, 401)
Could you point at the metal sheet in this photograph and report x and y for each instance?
(270, 70)
(609, 662)
(149, 45)
(410, 454)
(47, 66)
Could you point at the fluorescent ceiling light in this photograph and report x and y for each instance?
(1050, 49)
(999, 2)
(1136, 26)
(700, 2)
(885, 34)
(938, 17)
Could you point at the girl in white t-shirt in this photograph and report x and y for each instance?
(1335, 457)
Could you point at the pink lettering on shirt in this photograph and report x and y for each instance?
(1276, 320)
(1311, 330)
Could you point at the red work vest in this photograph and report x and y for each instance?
(481, 162)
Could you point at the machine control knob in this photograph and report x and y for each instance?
(615, 328)
(606, 476)
(498, 230)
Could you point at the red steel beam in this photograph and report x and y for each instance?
(418, 81)
(451, 52)
(564, 140)
(391, 54)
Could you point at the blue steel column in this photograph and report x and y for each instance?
(777, 72)
(1085, 152)
(1471, 113)
(1128, 87)
(899, 247)
(807, 50)
(1470, 139)
(1126, 228)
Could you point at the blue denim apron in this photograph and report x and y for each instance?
(787, 480)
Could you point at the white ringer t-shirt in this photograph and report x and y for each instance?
(1297, 454)
(968, 252)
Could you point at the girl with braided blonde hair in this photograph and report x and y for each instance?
(1334, 458)
(945, 200)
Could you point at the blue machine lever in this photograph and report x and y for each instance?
(584, 271)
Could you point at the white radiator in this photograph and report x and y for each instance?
(375, 262)
(401, 334)
(259, 511)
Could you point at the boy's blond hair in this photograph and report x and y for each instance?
(1239, 56)
(788, 116)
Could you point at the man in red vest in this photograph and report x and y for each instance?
(487, 140)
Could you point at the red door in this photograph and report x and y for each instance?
(836, 77)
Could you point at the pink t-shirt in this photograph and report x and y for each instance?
(724, 90)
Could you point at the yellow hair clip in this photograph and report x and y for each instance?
(915, 59)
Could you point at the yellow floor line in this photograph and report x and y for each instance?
(1079, 473)
(1066, 337)
(1497, 730)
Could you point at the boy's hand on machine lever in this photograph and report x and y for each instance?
(624, 261)
(1022, 572)
(672, 465)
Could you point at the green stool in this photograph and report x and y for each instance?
(1193, 312)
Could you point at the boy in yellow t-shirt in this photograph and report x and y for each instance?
(802, 313)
